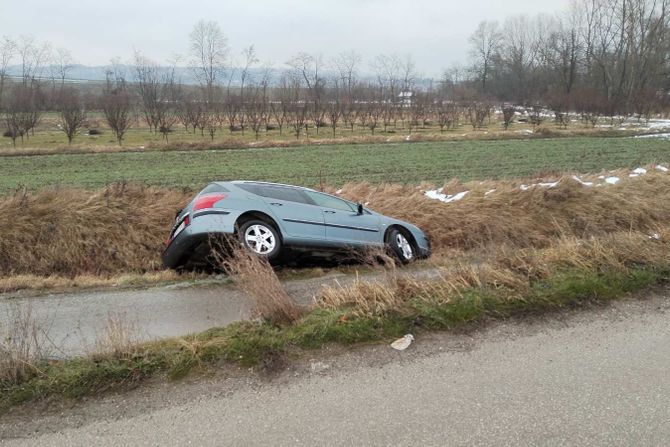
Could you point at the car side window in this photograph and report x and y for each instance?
(284, 193)
(327, 201)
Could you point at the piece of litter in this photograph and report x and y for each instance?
(548, 185)
(655, 236)
(490, 191)
(403, 343)
(524, 187)
(612, 180)
(661, 168)
(339, 191)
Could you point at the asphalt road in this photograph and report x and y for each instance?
(590, 377)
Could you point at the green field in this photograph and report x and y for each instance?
(407, 163)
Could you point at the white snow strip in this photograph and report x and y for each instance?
(580, 181)
(437, 194)
(661, 168)
(612, 180)
(548, 185)
(655, 135)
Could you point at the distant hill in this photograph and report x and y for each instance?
(86, 73)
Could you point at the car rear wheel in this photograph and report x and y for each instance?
(260, 238)
(401, 246)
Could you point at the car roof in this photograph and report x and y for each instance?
(254, 182)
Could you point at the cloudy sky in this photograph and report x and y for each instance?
(435, 32)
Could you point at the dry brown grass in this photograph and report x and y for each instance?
(121, 229)
(119, 338)
(68, 232)
(22, 346)
(507, 269)
(255, 277)
(531, 218)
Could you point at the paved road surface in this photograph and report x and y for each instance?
(597, 377)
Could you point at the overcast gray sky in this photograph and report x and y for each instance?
(435, 32)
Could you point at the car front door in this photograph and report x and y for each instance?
(344, 224)
(300, 220)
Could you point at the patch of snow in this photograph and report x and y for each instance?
(639, 171)
(581, 182)
(524, 187)
(548, 185)
(612, 180)
(665, 136)
(661, 168)
(437, 194)
(339, 191)
(490, 191)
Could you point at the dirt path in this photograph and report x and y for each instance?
(70, 323)
(585, 377)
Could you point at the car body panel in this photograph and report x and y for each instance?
(302, 224)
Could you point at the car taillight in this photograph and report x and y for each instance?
(207, 201)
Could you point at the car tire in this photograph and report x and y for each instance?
(400, 246)
(261, 238)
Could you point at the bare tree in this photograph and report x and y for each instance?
(33, 57)
(148, 78)
(61, 65)
(116, 104)
(307, 68)
(485, 45)
(7, 53)
(71, 111)
(508, 116)
(209, 52)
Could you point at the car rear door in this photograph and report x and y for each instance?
(344, 224)
(300, 219)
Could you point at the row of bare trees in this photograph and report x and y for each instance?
(607, 54)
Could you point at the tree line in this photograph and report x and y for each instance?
(599, 58)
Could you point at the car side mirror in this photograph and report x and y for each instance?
(360, 209)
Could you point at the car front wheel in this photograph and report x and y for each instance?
(401, 246)
(261, 238)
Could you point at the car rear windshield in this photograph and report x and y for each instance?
(213, 187)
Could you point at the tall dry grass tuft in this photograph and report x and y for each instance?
(119, 338)
(22, 346)
(254, 276)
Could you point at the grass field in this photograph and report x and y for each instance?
(334, 165)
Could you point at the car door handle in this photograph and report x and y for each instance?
(329, 212)
(276, 204)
